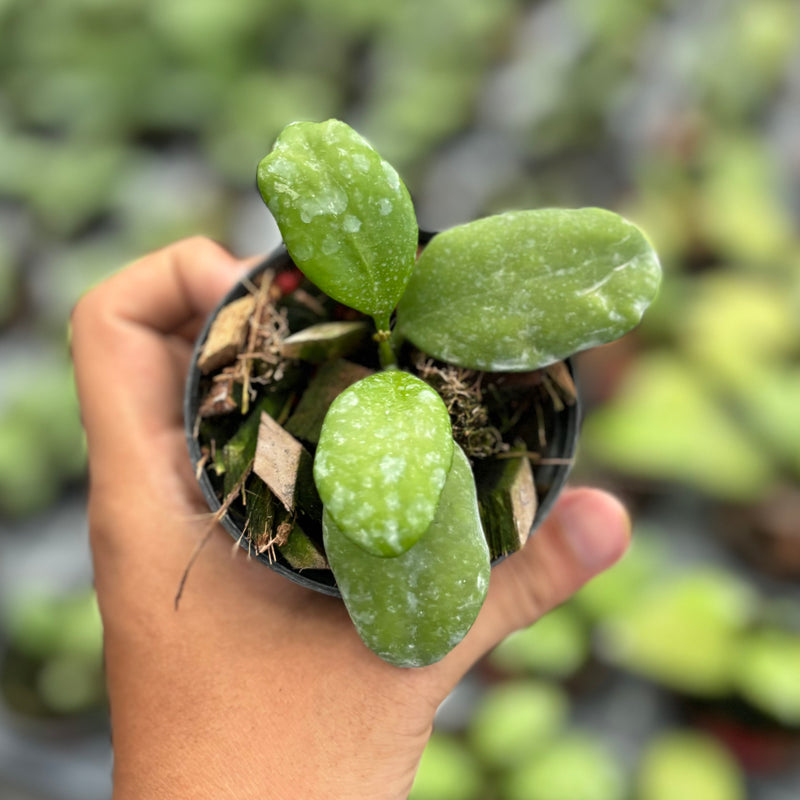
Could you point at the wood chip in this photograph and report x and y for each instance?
(227, 335)
(286, 467)
(300, 551)
(220, 398)
(507, 501)
(329, 382)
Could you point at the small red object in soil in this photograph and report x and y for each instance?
(288, 280)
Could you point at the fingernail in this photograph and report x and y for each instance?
(596, 528)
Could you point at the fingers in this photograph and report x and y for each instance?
(587, 531)
(129, 359)
(163, 290)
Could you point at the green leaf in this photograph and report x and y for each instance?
(447, 769)
(679, 764)
(576, 765)
(767, 667)
(526, 288)
(557, 646)
(414, 609)
(515, 719)
(666, 424)
(345, 215)
(685, 633)
(383, 456)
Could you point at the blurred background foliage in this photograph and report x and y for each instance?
(127, 124)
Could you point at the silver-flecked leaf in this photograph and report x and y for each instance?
(413, 609)
(524, 289)
(345, 215)
(382, 460)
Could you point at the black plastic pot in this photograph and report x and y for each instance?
(561, 433)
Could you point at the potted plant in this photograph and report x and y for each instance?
(357, 407)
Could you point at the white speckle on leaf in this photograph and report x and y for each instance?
(391, 175)
(385, 206)
(328, 200)
(302, 250)
(365, 512)
(438, 476)
(361, 162)
(347, 400)
(392, 468)
(330, 245)
(351, 224)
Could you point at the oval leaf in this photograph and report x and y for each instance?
(345, 215)
(383, 456)
(413, 609)
(526, 288)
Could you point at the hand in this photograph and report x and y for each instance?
(256, 687)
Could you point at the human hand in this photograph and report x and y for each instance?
(256, 686)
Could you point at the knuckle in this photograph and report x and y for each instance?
(532, 599)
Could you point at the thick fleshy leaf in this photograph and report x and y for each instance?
(523, 289)
(383, 456)
(413, 609)
(345, 215)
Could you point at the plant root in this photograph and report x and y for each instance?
(461, 391)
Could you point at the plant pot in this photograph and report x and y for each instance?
(559, 429)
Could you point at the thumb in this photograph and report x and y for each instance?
(587, 531)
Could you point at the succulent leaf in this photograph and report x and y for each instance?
(344, 214)
(383, 456)
(524, 289)
(413, 609)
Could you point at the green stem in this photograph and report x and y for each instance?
(382, 337)
(386, 354)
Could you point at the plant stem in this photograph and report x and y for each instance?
(386, 354)
(385, 351)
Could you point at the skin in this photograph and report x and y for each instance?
(255, 687)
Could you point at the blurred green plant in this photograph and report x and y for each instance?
(684, 632)
(52, 661)
(447, 771)
(665, 424)
(41, 439)
(577, 765)
(514, 719)
(556, 646)
(766, 673)
(680, 764)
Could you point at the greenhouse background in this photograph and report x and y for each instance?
(127, 124)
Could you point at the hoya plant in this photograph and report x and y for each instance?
(414, 461)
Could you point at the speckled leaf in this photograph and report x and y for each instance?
(526, 288)
(383, 456)
(345, 215)
(413, 609)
